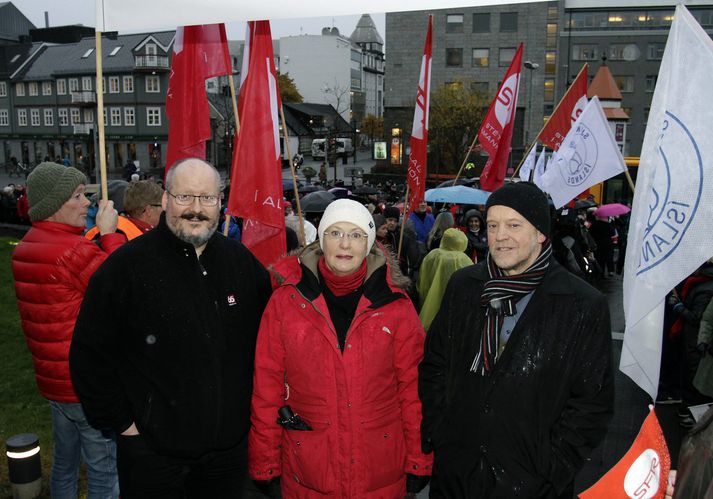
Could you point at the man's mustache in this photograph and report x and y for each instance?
(192, 216)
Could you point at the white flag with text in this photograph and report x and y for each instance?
(540, 168)
(672, 217)
(588, 155)
(528, 165)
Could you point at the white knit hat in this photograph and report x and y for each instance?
(346, 210)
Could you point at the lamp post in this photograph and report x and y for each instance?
(532, 66)
(24, 465)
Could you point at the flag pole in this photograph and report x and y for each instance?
(462, 165)
(584, 66)
(100, 118)
(294, 175)
(226, 225)
(628, 178)
(403, 224)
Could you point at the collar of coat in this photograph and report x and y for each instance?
(384, 282)
(177, 244)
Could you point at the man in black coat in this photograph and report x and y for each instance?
(516, 381)
(163, 349)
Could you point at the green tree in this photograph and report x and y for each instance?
(372, 126)
(456, 113)
(288, 89)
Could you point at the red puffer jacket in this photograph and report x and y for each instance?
(362, 404)
(52, 266)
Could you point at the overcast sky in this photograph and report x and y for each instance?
(63, 12)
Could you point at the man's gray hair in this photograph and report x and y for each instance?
(181, 162)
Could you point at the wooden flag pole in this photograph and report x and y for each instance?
(403, 224)
(294, 175)
(226, 225)
(522, 160)
(100, 118)
(465, 160)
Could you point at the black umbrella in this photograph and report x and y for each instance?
(366, 190)
(309, 188)
(316, 202)
(583, 204)
(291, 421)
(470, 182)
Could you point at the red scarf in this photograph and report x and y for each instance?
(677, 327)
(342, 285)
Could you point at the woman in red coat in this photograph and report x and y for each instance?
(340, 344)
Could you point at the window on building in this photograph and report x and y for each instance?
(625, 83)
(115, 51)
(73, 85)
(115, 116)
(153, 116)
(32, 88)
(4, 117)
(128, 84)
(153, 85)
(481, 58)
(651, 82)
(103, 84)
(63, 117)
(87, 83)
(46, 88)
(113, 84)
(87, 53)
(550, 62)
(35, 117)
(481, 22)
(551, 42)
(74, 113)
(20, 89)
(505, 56)
(585, 20)
(549, 88)
(704, 17)
(480, 86)
(105, 122)
(22, 117)
(552, 13)
(660, 18)
(588, 52)
(49, 117)
(62, 87)
(3, 89)
(654, 51)
(454, 85)
(88, 116)
(129, 116)
(508, 22)
(454, 23)
(454, 58)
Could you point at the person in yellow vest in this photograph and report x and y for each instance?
(142, 210)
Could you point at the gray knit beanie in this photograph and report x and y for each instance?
(49, 186)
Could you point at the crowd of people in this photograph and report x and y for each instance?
(458, 346)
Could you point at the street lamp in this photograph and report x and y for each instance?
(532, 66)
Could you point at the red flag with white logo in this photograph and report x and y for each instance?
(418, 157)
(199, 52)
(567, 112)
(642, 472)
(256, 172)
(495, 133)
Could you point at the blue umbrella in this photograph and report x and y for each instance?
(458, 194)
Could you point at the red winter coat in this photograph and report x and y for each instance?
(363, 404)
(52, 266)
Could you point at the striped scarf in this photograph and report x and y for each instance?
(499, 297)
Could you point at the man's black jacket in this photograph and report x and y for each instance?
(167, 340)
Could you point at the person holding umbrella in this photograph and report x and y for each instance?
(339, 344)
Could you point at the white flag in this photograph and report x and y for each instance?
(672, 217)
(588, 155)
(528, 164)
(540, 168)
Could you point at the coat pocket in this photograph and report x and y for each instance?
(384, 450)
(306, 457)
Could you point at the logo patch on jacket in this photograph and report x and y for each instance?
(231, 300)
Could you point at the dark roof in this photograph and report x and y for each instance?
(303, 111)
(66, 59)
(13, 23)
(366, 32)
(12, 56)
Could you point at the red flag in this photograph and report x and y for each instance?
(495, 133)
(642, 472)
(419, 133)
(568, 110)
(256, 173)
(199, 52)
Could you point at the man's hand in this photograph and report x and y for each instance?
(131, 430)
(107, 217)
(671, 484)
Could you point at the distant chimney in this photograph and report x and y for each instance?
(47, 19)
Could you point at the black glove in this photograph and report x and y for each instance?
(269, 488)
(415, 483)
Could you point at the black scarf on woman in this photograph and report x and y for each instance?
(500, 294)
